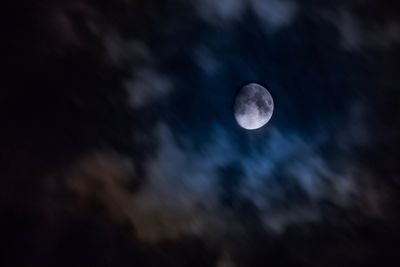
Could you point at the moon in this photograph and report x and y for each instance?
(253, 106)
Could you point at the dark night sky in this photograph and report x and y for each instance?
(119, 145)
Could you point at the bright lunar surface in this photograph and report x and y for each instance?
(253, 106)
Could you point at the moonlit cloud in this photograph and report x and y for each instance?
(272, 13)
(207, 61)
(181, 192)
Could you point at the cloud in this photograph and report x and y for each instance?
(355, 35)
(221, 11)
(273, 14)
(102, 177)
(146, 87)
(180, 196)
(284, 177)
(207, 61)
(225, 260)
(288, 179)
(146, 84)
(285, 180)
(120, 50)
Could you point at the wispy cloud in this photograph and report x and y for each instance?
(273, 14)
(284, 177)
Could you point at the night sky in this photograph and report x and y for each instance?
(119, 145)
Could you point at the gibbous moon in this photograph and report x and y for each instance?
(253, 106)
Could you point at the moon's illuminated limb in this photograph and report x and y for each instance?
(254, 107)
